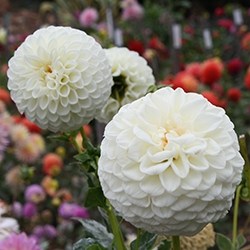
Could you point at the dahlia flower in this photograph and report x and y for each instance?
(60, 78)
(19, 242)
(132, 77)
(170, 162)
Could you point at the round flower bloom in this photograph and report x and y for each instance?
(211, 70)
(8, 226)
(34, 193)
(186, 81)
(170, 162)
(19, 133)
(60, 78)
(29, 210)
(132, 77)
(68, 210)
(19, 242)
(29, 151)
(234, 94)
(88, 17)
(52, 164)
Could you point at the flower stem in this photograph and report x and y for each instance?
(176, 243)
(138, 239)
(115, 227)
(235, 215)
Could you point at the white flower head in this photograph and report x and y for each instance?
(132, 78)
(170, 162)
(8, 226)
(60, 78)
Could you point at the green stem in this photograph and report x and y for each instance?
(118, 237)
(138, 239)
(176, 243)
(235, 215)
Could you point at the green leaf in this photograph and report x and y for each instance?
(98, 232)
(83, 157)
(88, 244)
(147, 241)
(165, 245)
(241, 240)
(223, 242)
(95, 198)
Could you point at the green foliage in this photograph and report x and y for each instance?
(98, 236)
(87, 244)
(224, 243)
(144, 242)
(165, 245)
(95, 198)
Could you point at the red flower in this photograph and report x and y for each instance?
(137, 46)
(211, 71)
(52, 164)
(225, 23)
(194, 69)
(234, 94)
(247, 79)
(31, 126)
(234, 66)
(156, 44)
(213, 98)
(245, 42)
(219, 11)
(185, 81)
(5, 96)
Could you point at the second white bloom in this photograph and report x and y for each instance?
(132, 78)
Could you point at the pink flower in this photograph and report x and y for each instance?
(19, 242)
(88, 17)
(132, 10)
(69, 210)
(34, 193)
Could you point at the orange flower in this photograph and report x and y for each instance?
(52, 164)
(185, 81)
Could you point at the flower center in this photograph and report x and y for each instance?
(119, 88)
(48, 69)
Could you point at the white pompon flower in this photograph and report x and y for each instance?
(60, 78)
(132, 78)
(170, 162)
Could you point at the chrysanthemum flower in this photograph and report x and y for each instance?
(170, 162)
(60, 78)
(132, 77)
(20, 242)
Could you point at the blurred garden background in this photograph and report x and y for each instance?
(200, 46)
